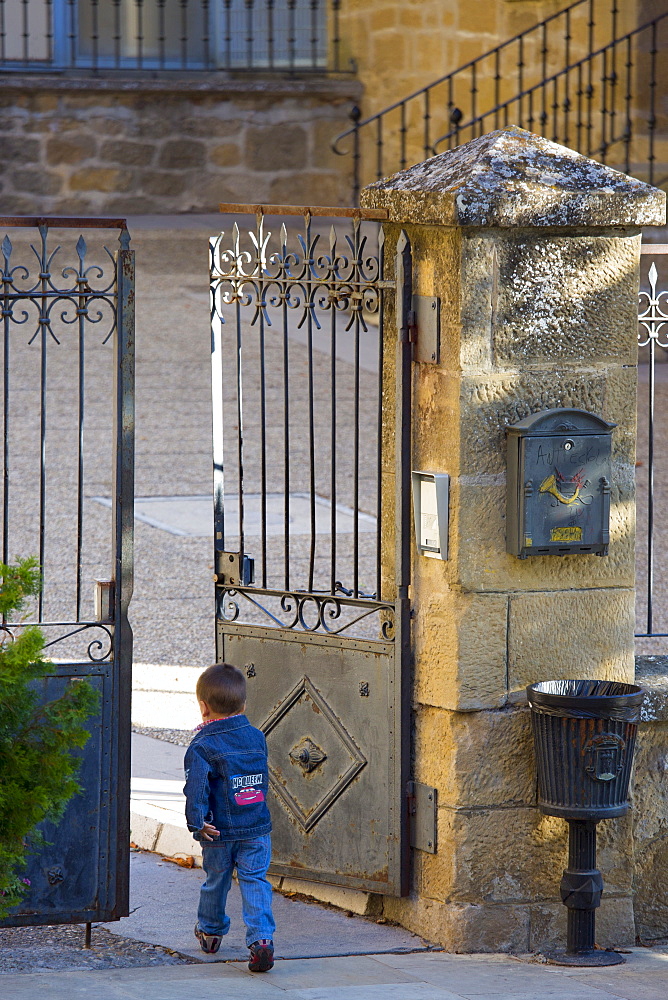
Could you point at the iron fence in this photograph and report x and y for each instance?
(187, 35)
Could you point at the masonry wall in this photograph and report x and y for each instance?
(534, 255)
(428, 38)
(113, 147)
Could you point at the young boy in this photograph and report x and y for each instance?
(226, 809)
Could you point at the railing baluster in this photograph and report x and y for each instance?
(426, 118)
(161, 34)
(228, 33)
(555, 110)
(25, 31)
(292, 34)
(3, 32)
(543, 55)
(497, 87)
(355, 115)
(628, 130)
(249, 32)
(270, 33)
(207, 61)
(604, 109)
(590, 80)
(336, 40)
(140, 33)
(116, 38)
(651, 125)
(567, 89)
(49, 30)
(520, 75)
(72, 31)
(315, 6)
(185, 5)
(402, 138)
(613, 75)
(379, 150)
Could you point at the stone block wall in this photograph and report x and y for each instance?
(650, 805)
(534, 254)
(101, 147)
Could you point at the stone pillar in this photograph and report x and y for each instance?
(534, 252)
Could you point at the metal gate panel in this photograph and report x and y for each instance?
(68, 343)
(315, 609)
(331, 713)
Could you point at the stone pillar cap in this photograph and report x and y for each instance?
(513, 178)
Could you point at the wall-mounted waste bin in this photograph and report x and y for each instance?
(584, 737)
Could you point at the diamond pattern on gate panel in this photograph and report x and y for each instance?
(308, 791)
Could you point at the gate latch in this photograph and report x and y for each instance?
(422, 814)
(234, 569)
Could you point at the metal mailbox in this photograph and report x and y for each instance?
(558, 498)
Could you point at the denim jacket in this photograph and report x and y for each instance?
(227, 780)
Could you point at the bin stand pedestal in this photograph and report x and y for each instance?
(581, 889)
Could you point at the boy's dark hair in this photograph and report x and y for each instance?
(223, 688)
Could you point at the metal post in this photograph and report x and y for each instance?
(123, 540)
(581, 889)
(403, 437)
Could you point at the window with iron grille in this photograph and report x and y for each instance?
(165, 34)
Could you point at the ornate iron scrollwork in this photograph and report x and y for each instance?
(307, 612)
(100, 645)
(653, 318)
(39, 298)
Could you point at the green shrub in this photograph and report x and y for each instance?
(37, 767)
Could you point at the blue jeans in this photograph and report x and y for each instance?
(251, 858)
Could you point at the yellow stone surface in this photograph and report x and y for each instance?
(530, 320)
(460, 643)
(570, 634)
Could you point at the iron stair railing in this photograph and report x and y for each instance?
(577, 78)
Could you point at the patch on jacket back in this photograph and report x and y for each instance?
(247, 789)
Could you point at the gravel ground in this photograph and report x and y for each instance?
(181, 737)
(37, 949)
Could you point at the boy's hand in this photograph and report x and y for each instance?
(209, 832)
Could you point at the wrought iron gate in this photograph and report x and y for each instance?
(311, 565)
(68, 438)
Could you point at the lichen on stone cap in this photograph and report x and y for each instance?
(514, 178)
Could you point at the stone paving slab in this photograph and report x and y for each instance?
(163, 901)
(432, 976)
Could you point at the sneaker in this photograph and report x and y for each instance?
(261, 956)
(209, 943)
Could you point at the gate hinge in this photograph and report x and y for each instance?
(422, 816)
(234, 569)
(426, 330)
(412, 327)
